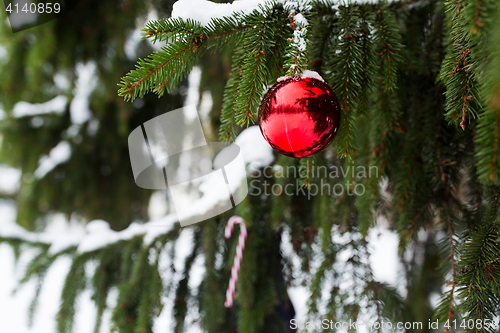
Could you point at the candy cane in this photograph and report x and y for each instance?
(237, 258)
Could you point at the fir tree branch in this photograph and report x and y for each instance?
(323, 26)
(227, 33)
(387, 41)
(175, 28)
(306, 166)
(227, 130)
(258, 43)
(388, 47)
(458, 71)
(488, 131)
(296, 55)
(162, 70)
(479, 273)
(369, 64)
(74, 284)
(131, 88)
(347, 69)
(248, 114)
(451, 314)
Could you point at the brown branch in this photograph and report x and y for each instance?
(225, 33)
(477, 21)
(153, 33)
(461, 64)
(462, 123)
(464, 107)
(420, 211)
(309, 167)
(162, 84)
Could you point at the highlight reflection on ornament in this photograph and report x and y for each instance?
(299, 117)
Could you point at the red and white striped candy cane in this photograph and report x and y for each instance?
(237, 258)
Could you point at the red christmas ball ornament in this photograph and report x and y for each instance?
(299, 117)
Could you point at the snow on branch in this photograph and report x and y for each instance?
(205, 11)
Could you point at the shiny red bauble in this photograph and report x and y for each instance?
(299, 116)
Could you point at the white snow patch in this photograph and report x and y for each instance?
(157, 205)
(59, 154)
(299, 296)
(313, 74)
(132, 44)
(100, 235)
(56, 105)
(305, 74)
(85, 84)
(197, 273)
(434, 299)
(255, 150)
(54, 234)
(3, 52)
(204, 11)
(9, 179)
(13, 307)
(299, 40)
(10, 229)
(300, 19)
(183, 248)
(193, 95)
(7, 213)
(156, 228)
(205, 104)
(383, 247)
(93, 127)
(87, 312)
(61, 81)
(64, 233)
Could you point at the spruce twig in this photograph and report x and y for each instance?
(452, 257)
